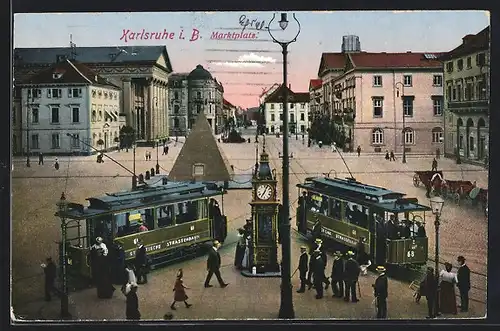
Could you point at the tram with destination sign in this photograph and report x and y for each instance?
(180, 218)
(348, 214)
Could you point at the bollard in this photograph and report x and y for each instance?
(152, 172)
(148, 175)
(141, 178)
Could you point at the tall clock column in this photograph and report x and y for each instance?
(264, 206)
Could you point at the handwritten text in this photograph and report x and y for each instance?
(253, 23)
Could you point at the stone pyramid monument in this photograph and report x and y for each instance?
(200, 158)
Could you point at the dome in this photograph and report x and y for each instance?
(199, 73)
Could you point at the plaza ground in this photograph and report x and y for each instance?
(36, 191)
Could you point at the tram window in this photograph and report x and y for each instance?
(121, 225)
(186, 212)
(335, 209)
(355, 215)
(165, 216)
(203, 208)
(102, 228)
(319, 204)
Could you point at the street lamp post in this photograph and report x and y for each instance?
(157, 164)
(286, 306)
(62, 206)
(436, 206)
(134, 177)
(404, 120)
(28, 111)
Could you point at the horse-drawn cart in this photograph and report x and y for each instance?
(432, 181)
(457, 190)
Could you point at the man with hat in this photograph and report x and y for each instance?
(303, 268)
(213, 265)
(318, 265)
(380, 289)
(317, 251)
(351, 276)
(337, 276)
(463, 277)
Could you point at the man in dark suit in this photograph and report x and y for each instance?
(49, 270)
(380, 289)
(463, 277)
(351, 276)
(213, 265)
(319, 273)
(431, 287)
(141, 263)
(303, 268)
(338, 275)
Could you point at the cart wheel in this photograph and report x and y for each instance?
(416, 180)
(456, 198)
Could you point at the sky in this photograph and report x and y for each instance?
(250, 62)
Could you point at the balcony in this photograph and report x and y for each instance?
(468, 106)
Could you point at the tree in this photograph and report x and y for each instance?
(127, 136)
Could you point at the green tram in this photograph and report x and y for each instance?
(181, 218)
(350, 212)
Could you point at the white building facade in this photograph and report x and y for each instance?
(385, 101)
(298, 110)
(69, 98)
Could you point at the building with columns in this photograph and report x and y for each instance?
(192, 93)
(140, 71)
(467, 93)
(383, 101)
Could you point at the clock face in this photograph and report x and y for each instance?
(264, 192)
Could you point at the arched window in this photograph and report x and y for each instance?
(377, 136)
(176, 122)
(437, 135)
(409, 136)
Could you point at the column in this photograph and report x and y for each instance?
(125, 103)
(147, 106)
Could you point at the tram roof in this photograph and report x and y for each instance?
(115, 202)
(353, 186)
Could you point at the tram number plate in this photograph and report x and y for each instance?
(410, 254)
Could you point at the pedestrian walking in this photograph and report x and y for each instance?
(49, 269)
(337, 275)
(380, 289)
(463, 278)
(40, 158)
(213, 265)
(393, 158)
(447, 299)
(351, 276)
(100, 258)
(303, 268)
(387, 157)
(146, 155)
(132, 302)
(141, 263)
(319, 272)
(358, 150)
(320, 144)
(434, 165)
(180, 291)
(240, 249)
(56, 164)
(431, 287)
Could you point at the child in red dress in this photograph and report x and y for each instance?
(179, 291)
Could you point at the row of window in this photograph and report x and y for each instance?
(292, 129)
(105, 94)
(408, 109)
(74, 140)
(437, 80)
(56, 93)
(408, 136)
(34, 113)
(466, 92)
(292, 105)
(292, 117)
(480, 61)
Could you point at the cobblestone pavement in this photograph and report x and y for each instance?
(35, 230)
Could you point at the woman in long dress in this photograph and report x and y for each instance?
(180, 291)
(240, 249)
(447, 299)
(245, 264)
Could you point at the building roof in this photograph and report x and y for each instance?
(227, 103)
(331, 61)
(395, 60)
(276, 96)
(470, 44)
(87, 55)
(200, 73)
(314, 84)
(201, 147)
(67, 72)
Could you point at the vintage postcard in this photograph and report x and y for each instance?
(250, 165)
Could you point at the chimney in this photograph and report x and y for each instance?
(467, 39)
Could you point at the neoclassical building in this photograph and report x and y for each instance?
(192, 93)
(467, 108)
(141, 72)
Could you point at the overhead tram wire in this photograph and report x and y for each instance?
(104, 154)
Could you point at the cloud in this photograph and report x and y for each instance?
(250, 60)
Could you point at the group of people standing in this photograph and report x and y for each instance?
(440, 292)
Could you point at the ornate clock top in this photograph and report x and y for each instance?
(264, 171)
